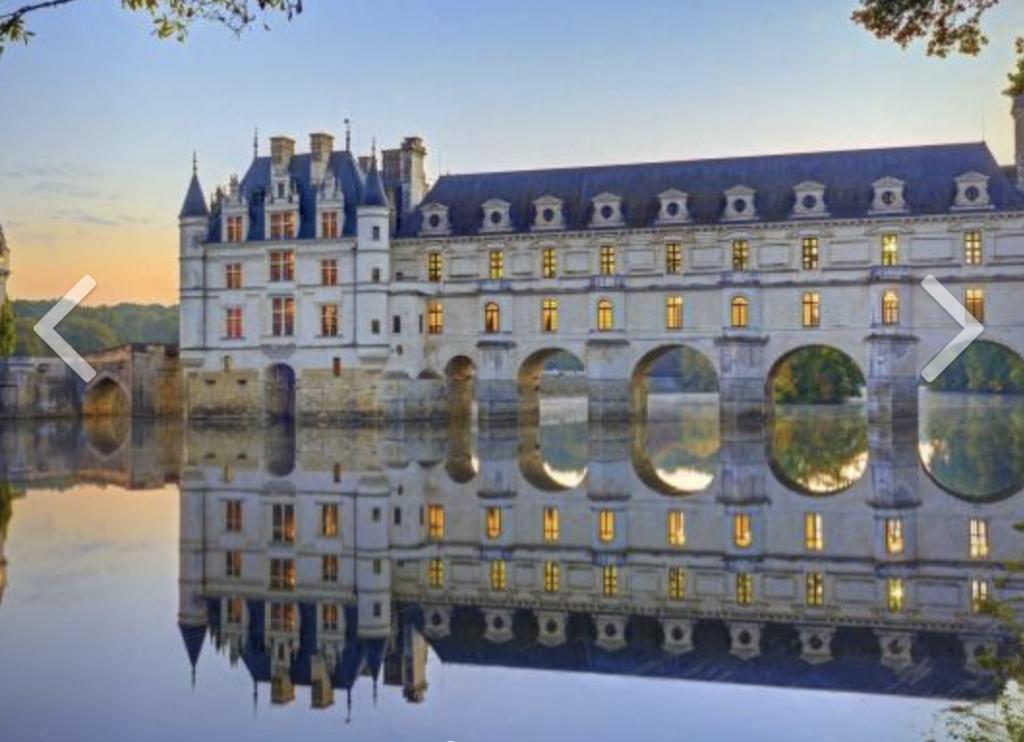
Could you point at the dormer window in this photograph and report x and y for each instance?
(888, 196)
(740, 204)
(972, 192)
(234, 228)
(435, 219)
(607, 211)
(809, 200)
(549, 214)
(497, 217)
(674, 207)
(282, 225)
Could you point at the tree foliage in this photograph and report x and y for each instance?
(817, 375)
(984, 368)
(96, 328)
(8, 329)
(171, 19)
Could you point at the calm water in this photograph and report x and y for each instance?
(431, 584)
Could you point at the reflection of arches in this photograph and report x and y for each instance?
(680, 457)
(827, 375)
(279, 450)
(555, 467)
(819, 453)
(107, 436)
(691, 371)
(106, 398)
(531, 374)
(461, 375)
(280, 392)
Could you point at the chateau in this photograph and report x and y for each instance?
(325, 286)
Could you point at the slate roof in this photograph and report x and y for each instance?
(373, 193)
(195, 202)
(928, 171)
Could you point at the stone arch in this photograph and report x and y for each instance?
(693, 362)
(280, 392)
(679, 458)
(820, 453)
(460, 373)
(530, 376)
(841, 386)
(106, 397)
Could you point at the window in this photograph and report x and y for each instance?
(890, 308)
(673, 258)
(233, 275)
(742, 531)
(329, 225)
(611, 581)
(739, 317)
(497, 265)
(336, 366)
(815, 589)
(282, 266)
(235, 611)
(283, 522)
(740, 255)
(975, 301)
(376, 234)
(492, 318)
(435, 266)
(607, 260)
(979, 595)
(329, 272)
(329, 320)
(329, 617)
(812, 309)
(972, 248)
(552, 577)
(890, 249)
(605, 315)
(552, 525)
(329, 569)
(375, 275)
(282, 226)
(894, 542)
(814, 534)
(744, 589)
(674, 313)
(676, 583)
(549, 315)
(233, 324)
(810, 253)
(282, 617)
(895, 594)
(233, 564)
(330, 520)
(435, 571)
(435, 318)
(979, 544)
(233, 516)
(493, 523)
(283, 311)
(396, 324)
(606, 526)
(282, 574)
(235, 229)
(549, 263)
(435, 521)
(499, 575)
(676, 528)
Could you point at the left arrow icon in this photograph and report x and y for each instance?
(45, 328)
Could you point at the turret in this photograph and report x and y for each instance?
(193, 228)
(373, 260)
(1018, 138)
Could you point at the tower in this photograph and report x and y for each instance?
(193, 228)
(373, 267)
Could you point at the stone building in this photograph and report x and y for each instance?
(321, 285)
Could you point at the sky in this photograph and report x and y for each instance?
(98, 119)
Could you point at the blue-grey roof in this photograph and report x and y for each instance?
(928, 171)
(374, 193)
(195, 201)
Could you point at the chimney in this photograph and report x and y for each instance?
(1018, 138)
(404, 172)
(282, 149)
(320, 147)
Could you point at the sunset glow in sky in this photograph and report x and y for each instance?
(98, 119)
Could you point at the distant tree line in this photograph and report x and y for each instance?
(90, 329)
(985, 368)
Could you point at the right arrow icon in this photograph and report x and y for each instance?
(972, 329)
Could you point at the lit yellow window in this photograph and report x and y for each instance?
(975, 301)
(814, 535)
(890, 308)
(673, 257)
(436, 573)
(606, 526)
(607, 260)
(233, 275)
(979, 595)
(435, 266)
(283, 524)
(435, 521)
(979, 545)
(330, 520)
(742, 532)
(236, 610)
(890, 249)
(549, 263)
(676, 528)
(812, 309)
(605, 315)
(552, 526)
(611, 581)
(895, 594)
(329, 272)
(282, 617)
(549, 315)
(233, 516)
(282, 574)
(972, 248)
(232, 564)
(740, 314)
(492, 318)
(498, 575)
(235, 232)
(497, 265)
(329, 569)
(282, 226)
(740, 255)
(552, 577)
(810, 253)
(329, 225)
(493, 523)
(815, 586)
(894, 542)
(329, 320)
(435, 318)
(329, 616)
(744, 589)
(674, 312)
(676, 583)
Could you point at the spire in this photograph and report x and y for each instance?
(255, 142)
(195, 163)
(193, 637)
(373, 188)
(195, 201)
(348, 135)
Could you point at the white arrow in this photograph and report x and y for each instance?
(45, 328)
(972, 329)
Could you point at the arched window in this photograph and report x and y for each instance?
(492, 318)
(605, 315)
(890, 308)
(740, 314)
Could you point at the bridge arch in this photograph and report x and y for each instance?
(691, 370)
(280, 388)
(460, 374)
(830, 375)
(530, 378)
(107, 397)
(818, 453)
(548, 458)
